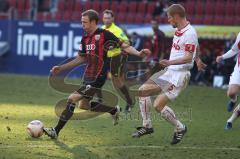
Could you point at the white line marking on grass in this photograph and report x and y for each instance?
(173, 147)
(127, 147)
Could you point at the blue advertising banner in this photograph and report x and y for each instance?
(37, 46)
(4, 31)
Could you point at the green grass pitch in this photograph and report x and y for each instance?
(202, 109)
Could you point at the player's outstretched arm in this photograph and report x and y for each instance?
(229, 54)
(131, 50)
(75, 62)
(233, 51)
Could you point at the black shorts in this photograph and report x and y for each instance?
(117, 64)
(88, 89)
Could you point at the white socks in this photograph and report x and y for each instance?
(168, 114)
(236, 113)
(145, 103)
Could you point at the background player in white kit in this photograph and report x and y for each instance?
(168, 84)
(234, 83)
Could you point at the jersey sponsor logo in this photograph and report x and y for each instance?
(176, 46)
(190, 48)
(90, 47)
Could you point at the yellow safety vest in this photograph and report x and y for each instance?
(118, 32)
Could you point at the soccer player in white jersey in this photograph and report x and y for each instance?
(234, 83)
(168, 84)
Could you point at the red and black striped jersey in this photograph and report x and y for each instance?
(158, 41)
(94, 47)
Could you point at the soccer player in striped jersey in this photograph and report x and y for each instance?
(93, 51)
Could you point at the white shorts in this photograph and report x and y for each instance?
(171, 82)
(235, 77)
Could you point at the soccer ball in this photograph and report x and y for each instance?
(35, 128)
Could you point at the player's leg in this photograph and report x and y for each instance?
(170, 92)
(234, 88)
(69, 110)
(96, 106)
(117, 64)
(168, 114)
(232, 94)
(99, 95)
(114, 111)
(235, 115)
(119, 84)
(65, 116)
(151, 87)
(147, 90)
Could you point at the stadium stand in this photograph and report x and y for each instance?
(207, 12)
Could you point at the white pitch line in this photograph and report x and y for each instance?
(173, 147)
(128, 147)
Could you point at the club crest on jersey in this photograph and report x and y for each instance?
(97, 37)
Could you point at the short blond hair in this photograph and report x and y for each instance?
(176, 9)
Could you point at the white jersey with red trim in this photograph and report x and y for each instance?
(235, 76)
(185, 40)
(236, 48)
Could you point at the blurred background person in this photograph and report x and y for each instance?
(206, 77)
(157, 47)
(133, 68)
(117, 60)
(158, 42)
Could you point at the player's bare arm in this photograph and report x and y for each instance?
(200, 64)
(228, 55)
(133, 51)
(75, 62)
(186, 59)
